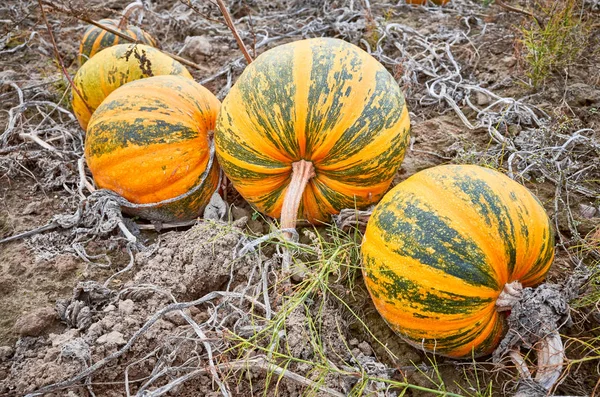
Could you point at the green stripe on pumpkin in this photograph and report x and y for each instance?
(327, 83)
(425, 231)
(380, 112)
(373, 170)
(491, 208)
(431, 304)
(274, 109)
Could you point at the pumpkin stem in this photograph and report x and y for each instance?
(302, 171)
(137, 5)
(549, 347)
(551, 357)
(510, 295)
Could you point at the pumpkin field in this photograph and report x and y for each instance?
(299, 198)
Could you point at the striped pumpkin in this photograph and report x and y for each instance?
(439, 249)
(112, 68)
(149, 142)
(96, 39)
(316, 121)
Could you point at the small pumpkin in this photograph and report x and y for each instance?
(440, 248)
(312, 127)
(149, 142)
(96, 39)
(113, 67)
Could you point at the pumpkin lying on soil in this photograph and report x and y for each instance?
(440, 248)
(149, 142)
(96, 39)
(113, 67)
(312, 127)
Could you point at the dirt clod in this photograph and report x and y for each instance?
(126, 307)
(580, 94)
(112, 338)
(193, 264)
(587, 211)
(198, 48)
(36, 322)
(5, 353)
(365, 348)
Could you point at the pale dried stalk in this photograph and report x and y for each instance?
(29, 233)
(521, 365)
(509, 296)
(254, 363)
(236, 35)
(551, 356)
(39, 141)
(131, 8)
(521, 11)
(57, 53)
(83, 179)
(550, 350)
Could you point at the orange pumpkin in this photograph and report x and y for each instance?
(441, 247)
(149, 142)
(113, 67)
(96, 39)
(312, 127)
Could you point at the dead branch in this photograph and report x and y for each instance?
(29, 233)
(231, 25)
(521, 11)
(57, 53)
(189, 4)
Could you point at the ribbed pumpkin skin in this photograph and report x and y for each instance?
(322, 100)
(439, 249)
(95, 39)
(113, 67)
(149, 142)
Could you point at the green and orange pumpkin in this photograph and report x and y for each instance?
(113, 67)
(95, 39)
(440, 248)
(149, 142)
(312, 127)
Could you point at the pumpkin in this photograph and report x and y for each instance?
(312, 127)
(440, 248)
(149, 142)
(113, 67)
(96, 39)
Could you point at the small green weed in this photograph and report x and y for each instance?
(558, 43)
